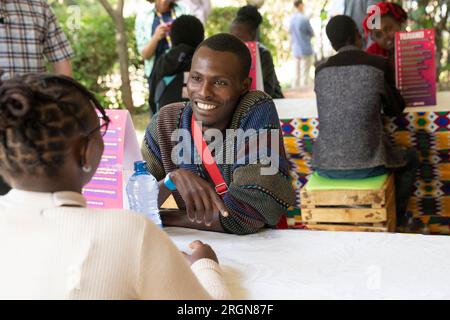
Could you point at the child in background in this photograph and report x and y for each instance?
(393, 17)
(246, 26)
(168, 80)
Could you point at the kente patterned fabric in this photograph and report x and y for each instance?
(427, 132)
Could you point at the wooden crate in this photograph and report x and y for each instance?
(350, 210)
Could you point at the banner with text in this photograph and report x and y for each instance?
(416, 67)
(107, 187)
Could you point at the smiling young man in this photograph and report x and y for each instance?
(221, 105)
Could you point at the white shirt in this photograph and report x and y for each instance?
(53, 247)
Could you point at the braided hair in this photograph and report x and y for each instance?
(386, 8)
(40, 114)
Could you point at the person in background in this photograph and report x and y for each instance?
(199, 8)
(352, 143)
(393, 17)
(30, 36)
(357, 10)
(335, 7)
(301, 34)
(152, 29)
(245, 26)
(170, 74)
(52, 245)
(221, 101)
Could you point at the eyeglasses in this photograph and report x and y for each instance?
(103, 126)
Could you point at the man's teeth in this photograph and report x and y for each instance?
(204, 106)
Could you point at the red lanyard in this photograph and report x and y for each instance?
(207, 159)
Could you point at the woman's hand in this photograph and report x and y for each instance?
(159, 34)
(201, 200)
(200, 251)
(161, 31)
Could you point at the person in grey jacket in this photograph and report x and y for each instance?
(354, 90)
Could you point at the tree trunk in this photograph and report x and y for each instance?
(440, 28)
(122, 51)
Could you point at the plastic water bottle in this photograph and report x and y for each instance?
(142, 191)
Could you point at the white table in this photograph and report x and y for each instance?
(307, 107)
(298, 264)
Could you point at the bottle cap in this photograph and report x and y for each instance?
(140, 166)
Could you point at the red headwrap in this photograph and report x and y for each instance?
(386, 8)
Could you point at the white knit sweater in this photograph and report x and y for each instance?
(53, 247)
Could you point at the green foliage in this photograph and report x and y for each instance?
(221, 18)
(420, 18)
(93, 40)
(95, 49)
(434, 14)
(135, 57)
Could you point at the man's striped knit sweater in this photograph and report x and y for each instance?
(253, 200)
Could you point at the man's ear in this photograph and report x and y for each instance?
(246, 84)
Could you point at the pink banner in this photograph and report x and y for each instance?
(416, 67)
(106, 189)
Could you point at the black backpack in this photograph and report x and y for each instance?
(171, 89)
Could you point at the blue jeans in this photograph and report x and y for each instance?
(404, 179)
(352, 174)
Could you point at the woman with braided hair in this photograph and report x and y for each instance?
(392, 19)
(52, 246)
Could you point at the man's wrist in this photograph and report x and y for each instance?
(168, 182)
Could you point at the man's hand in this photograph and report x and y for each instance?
(201, 200)
(200, 251)
(63, 67)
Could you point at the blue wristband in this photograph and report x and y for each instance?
(169, 183)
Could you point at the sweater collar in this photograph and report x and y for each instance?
(44, 200)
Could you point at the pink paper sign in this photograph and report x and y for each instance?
(416, 67)
(107, 187)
